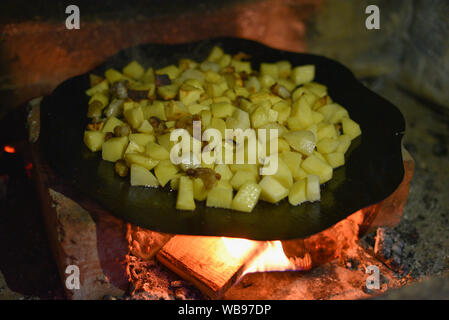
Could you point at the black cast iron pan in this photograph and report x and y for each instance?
(373, 169)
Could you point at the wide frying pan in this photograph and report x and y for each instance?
(373, 169)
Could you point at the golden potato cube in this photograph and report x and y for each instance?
(270, 69)
(176, 110)
(283, 110)
(185, 200)
(218, 124)
(215, 54)
(285, 68)
(351, 128)
(242, 66)
(114, 148)
(141, 176)
(141, 160)
(302, 141)
(146, 127)
(335, 159)
(283, 173)
(222, 109)
(241, 177)
(157, 109)
(224, 171)
(94, 140)
(189, 94)
(165, 171)
(141, 139)
(303, 74)
(297, 194)
(156, 151)
(168, 92)
(259, 117)
(111, 123)
(220, 196)
(316, 166)
(199, 190)
(326, 131)
(101, 87)
(292, 160)
(327, 145)
(172, 71)
(133, 70)
(313, 192)
(272, 190)
(246, 198)
(134, 148)
(134, 117)
(344, 143)
(113, 75)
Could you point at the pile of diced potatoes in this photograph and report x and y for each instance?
(133, 112)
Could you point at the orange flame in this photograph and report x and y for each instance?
(271, 256)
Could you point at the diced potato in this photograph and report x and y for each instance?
(206, 117)
(259, 117)
(157, 109)
(246, 198)
(216, 89)
(272, 190)
(148, 76)
(165, 171)
(239, 120)
(292, 160)
(101, 87)
(302, 141)
(241, 177)
(303, 74)
(344, 143)
(317, 89)
(270, 69)
(134, 117)
(168, 92)
(351, 128)
(189, 94)
(245, 166)
(327, 131)
(283, 110)
(113, 76)
(218, 124)
(94, 140)
(335, 159)
(224, 171)
(133, 70)
(283, 174)
(333, 113)
(145, 127)
(220, 196)
(140, 160)
(156, 151)
(285, 68)
(172, 71)
(176, 110)
(185, 199)
(222, 109)
(196, 108)
(134, 148)
(316, 166)
(266, 81)
(313, 192)
(300, 174)
(111, 123)
(327, 145)
(141, 176)
(199, 190)
(242, 66)
(215, 54)
(297, 194)
(114, 148)
(141, 139)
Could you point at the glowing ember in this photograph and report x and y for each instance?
(9, 149)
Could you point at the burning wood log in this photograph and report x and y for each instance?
(209, 262)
